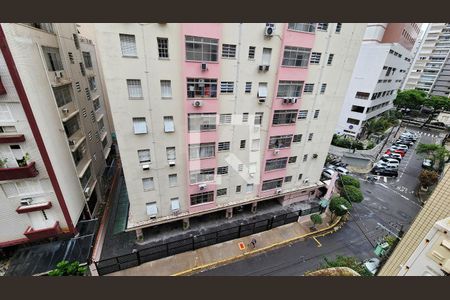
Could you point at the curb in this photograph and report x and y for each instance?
(245, 254)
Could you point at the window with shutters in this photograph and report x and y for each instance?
(173, 180)
(221, 192)
(330, 59)
(297, 138)
(289, 88)
(134, 89)
(7, 129)
(225, 119)
(238, 189)
(295, 56)
(139, 125)
(338, 27)
(315, 58)
(302, 114)
(258, 118)
(244, 117)
(22, 188)
(302, 27)
(322, 26)
(201, 88)
(248, 87)
(53, 59)
(275, 164)
(88, 94)
(144, 156)
(76, 41)
(309, 88)
(228, 51)
(251, 52)
(82, 69)
(280, 141)
(163, 47)
(223, 146)
(227, 87)
(201, 151)
(323, 88)
(310, 137)
(203, 175)
(284, 117)
(202, 198)
(5, 113)
(292, 159)
(316, 113)
(152, 209)
(305, 157)
(128, 45)
(96, 104)
(272, 184)
(169, 125)
(166, 89)
(201, 122)
(242, 144)
(92, 116)
(87, 59)
(43, 26)
(71, 59)
(240, 167)
(201, 49)
(222, 170)
(171, 153)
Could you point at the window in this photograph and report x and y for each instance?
(222, 170)
(7, 129)
(248, 87)
(92, 83)
(305, 27)
(76, 41)
(288, 179)
(315, 58)
(223, 146)
(43, 26)
(71, 126)
(88, 93)
(281, 117)
(203, 175)
(144, 156)
(323, 87)
(53, 59)
(289, 88)
(242, 144)
(172, 180)
(200, 151)
(310, 137)
(357, 108)
(139, 125)
(77, 155)
(62, 95)
(238, 189)
(201, 122)
(171, 153)
(353, 121)
(166, 89)
(87, 59)
(292, 159)
(134, 89)
(228, 51)
(163, 47)
(295, 56)
(227, 87)
(388, 72)
(302, 114)
(362, 95)
(201, 49)
(92, 116)
(148, 184)
(221, 192)
(240, 167)
(309, 88)
(128, 45)
(256, 144)
(152, 209)
(175, 204)
(249, 188)
(338, 27)
(262, 90)
(272, 184)
(305, 157)
(202, 198)
(322, 26)
(225, 119)
(280, 141)
(275, 164)
(330, 59)
(258, 118)
(300, 176)
(201, 88)
(244, 117)
(266, 54)
(168, 124)
(297, 138)
(251, 52)
(252, 168)
(23, 188)
(316, 113)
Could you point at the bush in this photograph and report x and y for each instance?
(370, 145)
(348, 181)
(428, 178)
(352, 193)
(349, 262)
(65, 268)
(335, 206)
(316, 219)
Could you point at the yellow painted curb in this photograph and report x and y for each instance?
(221, 262)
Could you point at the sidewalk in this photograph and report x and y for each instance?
(212, 256)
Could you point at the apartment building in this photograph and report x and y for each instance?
(431, 66)
(209, 117)
(380, 70)
(54, 137)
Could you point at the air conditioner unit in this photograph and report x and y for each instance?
(293, 100)
(286, 100)
(315, 155)
(269, 30)
(261, 67)
(261, 100)
(202, 186)
(65, 111)
(278, 191)
(276, 152)
(72, 142)
(204, 67)
(145, 167)
(306, 180)
(266, 68)
(197, 103)
(171, 163)
(26, 201)
(86, 191)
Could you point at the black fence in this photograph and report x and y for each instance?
(126, 261)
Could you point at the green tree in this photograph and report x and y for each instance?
(352, 193)
(412, 99)
(316, 219)
(437, 153)
(337, 205)
(346, 261)
(428, 178)
(348, 181)
(437, 102)
(65, 268)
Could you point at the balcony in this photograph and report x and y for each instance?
(37, 234)
(76, 139)
(33, 207)
(11, 138)
(27, 171)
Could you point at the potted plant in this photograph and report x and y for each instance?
(24, 161)
(3, 162)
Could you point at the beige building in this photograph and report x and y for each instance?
(54, 132)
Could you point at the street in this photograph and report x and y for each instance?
(390, 202)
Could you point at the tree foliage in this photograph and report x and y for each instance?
(436, 153)
(336, 206)
(348, 181)
(316, 219)
(352, 194)
(347, 261)
(412, 99)
(65, 268)
(428, 178)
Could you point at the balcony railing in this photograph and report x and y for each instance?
(11, 138)
(38, 234)
(27, 171)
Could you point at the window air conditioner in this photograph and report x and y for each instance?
(65, 111)
(315, 155)
(261, 67)
(72, 142)
(145, 167)
(269, 30)
(261, 100)
(26, 201)
(276, 152)
(204, 67)
(197, 103)
(293, 100)
(278, 191)
(266, 68)
(171, 163)
(286, 100)
(202, 186)
(86, 191)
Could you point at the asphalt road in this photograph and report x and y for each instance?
(390, 202)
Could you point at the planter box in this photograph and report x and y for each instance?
(38, 234)
(27, 171)
(11, 138)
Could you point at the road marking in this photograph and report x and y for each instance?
(318, 243)
(385, 179)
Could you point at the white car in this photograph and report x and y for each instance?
(402, 147)
(387, 166)
(372, 265)
(342, 170)
(393, 148)
(390, 160)
(328, 173)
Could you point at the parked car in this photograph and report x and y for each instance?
(427, 164)
(331, 167)
(401, 152)
(409, 135)
(372, 265)
(402, 147)
(384, 172)
(386, 166)
(396, 156)
(328, 173)
(342, 170)
(404, 142)
(389, 160)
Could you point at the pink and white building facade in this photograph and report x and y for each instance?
(210, 116)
